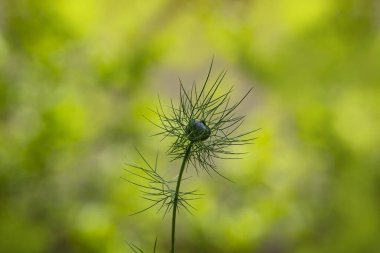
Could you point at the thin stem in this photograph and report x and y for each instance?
(185, 159)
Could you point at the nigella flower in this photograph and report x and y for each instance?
(204, 124)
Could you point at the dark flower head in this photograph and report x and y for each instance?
(204, 120)
(197, 130)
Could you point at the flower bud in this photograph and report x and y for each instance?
(197, 130)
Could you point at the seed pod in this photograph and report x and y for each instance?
(197, 130)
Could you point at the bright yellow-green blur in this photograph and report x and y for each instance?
(78, 77)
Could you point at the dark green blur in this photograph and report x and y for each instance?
(78, 77)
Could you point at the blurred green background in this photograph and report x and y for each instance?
(77, 78)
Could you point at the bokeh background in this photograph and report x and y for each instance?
(78, 77)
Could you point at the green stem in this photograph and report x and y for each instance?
(175, 202)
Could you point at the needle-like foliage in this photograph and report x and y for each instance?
(158, 190)
(204, 126)
(204, 110)
(136, 249)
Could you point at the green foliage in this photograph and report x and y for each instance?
(205, 120)
(76, 76)
(195, 141)
(158, 190)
